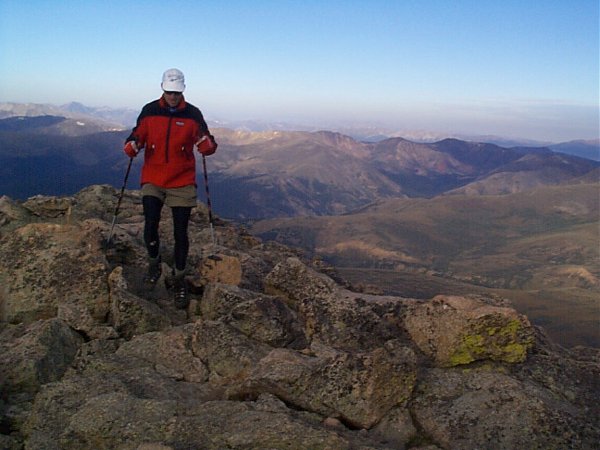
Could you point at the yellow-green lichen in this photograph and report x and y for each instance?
(500, 342)
(514, 352)
(511, 328)
(470, 348)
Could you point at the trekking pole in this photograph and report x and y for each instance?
(112, 227)
(210, 216)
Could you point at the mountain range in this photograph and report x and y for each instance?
(124, 118)
(267, 174)
(422, 218)
(104, 118)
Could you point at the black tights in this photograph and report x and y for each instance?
(181, 216)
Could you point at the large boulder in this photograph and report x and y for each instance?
(133, 398)
(50, 207)
(13, 214)
(169, 353)
(220, 268)
(459, 330)
(123, 420)
(227, 352)
(359, 389)
(50, 270)
(262, 317)
(484, 408)
(331, 315)
(129, 314)
(108, 401)
(36, 353)
(32, 355)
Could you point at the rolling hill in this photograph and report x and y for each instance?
(589, 149)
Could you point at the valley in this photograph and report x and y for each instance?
(538, 248)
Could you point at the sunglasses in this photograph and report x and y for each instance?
(172, 93)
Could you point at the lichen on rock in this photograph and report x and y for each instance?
(459, 330)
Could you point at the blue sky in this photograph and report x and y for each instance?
(523, 68)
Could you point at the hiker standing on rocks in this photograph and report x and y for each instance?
(169, 130)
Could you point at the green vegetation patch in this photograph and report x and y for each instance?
(497, 339)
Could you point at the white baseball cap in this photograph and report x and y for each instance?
(173, 80)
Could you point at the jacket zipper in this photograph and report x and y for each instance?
(167, 140)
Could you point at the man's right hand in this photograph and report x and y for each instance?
(131, 149)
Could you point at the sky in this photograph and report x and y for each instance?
(514, 68)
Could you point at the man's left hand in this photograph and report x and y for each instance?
(206, 145)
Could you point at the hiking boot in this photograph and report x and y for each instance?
(180, 294)
(154, 271)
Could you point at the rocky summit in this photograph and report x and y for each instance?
(272, 352)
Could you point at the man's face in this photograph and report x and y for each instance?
(172, 98)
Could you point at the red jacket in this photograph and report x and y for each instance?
(168, 136)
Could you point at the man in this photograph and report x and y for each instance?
(169, 130)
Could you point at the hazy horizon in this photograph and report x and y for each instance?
(510, 69)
